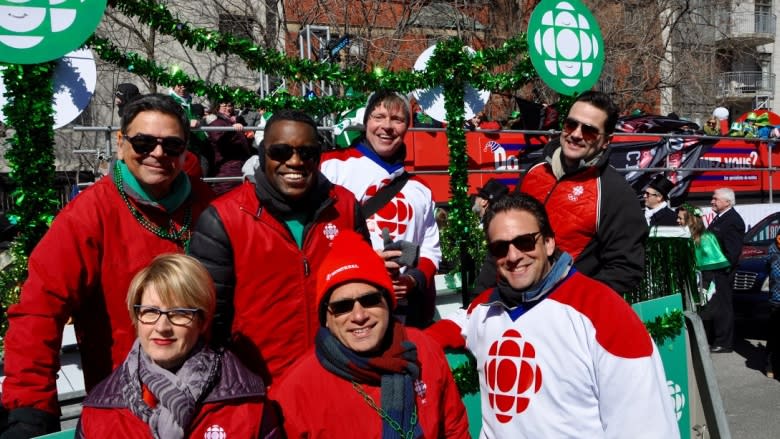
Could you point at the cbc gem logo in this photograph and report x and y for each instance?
(675, 391)
(34, 31)
(512, 375)
(565, 45)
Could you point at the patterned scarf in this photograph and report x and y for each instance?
(395, 369)
(178, 394)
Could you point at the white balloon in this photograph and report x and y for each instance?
(721, 113)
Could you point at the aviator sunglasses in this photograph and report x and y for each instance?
(369, 300)
(282, 152)
(589, 132)
(524, 243)
(144, 144)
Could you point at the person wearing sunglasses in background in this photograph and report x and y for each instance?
(594, 211)
(559, 354)
(83, 265)
(373, 169)
(263, 242)
(387, 380)
(171, 385)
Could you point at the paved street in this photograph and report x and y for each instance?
(751, 400)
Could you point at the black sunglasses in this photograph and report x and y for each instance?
(524, 243)
(589, 132)
(144, 144)
(369, 300)
(282, 152)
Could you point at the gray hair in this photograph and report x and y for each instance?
(727, 194)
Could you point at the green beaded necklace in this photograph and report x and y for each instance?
(181, 235)
(383, 414)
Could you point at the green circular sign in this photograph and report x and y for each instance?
(565, 45)
(35, 31)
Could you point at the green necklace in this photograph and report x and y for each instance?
(382, 414)
(181, 236)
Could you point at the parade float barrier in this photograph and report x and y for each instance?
(666, 301)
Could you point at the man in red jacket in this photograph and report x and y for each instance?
(596, 215)
(391, 380)
(263, 241)
(82, 267)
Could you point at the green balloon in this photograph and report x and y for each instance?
(565, 45)
(36, 31)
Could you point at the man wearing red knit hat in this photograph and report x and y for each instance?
(392, 380)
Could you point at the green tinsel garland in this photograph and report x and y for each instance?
(670, 268)
(661, 329)
(159, 18)
(28, 110)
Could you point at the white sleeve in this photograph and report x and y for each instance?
(634, 398)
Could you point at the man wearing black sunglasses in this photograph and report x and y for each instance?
(82, 267)
(263, 241)
(595, 213)
(559, 354)
(392, 381)
(373, 170)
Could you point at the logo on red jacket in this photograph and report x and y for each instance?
(512, 375)
(395, 215)
(215, 432)
(330, 231)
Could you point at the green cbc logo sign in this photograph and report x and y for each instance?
(35, 31)
(565, 46)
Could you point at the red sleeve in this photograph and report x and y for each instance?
(62, 266)
(447, 334)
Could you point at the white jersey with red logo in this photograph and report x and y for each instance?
(408, 216)
(577, 364)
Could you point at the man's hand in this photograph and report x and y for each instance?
(403, 286)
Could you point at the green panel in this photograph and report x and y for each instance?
(67, 434)
(673, 356)
(471, 401)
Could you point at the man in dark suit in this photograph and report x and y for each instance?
(656, 195)
(729, 227)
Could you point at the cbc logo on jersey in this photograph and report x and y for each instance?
(395, 215)
(512, 375)
(215, 432)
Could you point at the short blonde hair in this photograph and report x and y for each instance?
(179, 280)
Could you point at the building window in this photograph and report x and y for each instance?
(238, 25)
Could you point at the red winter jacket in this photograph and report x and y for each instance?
(234, 408)
(596, 219)
(82, 268)
(316, 403)
(266, 305)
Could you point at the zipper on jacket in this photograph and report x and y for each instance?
(305, 267)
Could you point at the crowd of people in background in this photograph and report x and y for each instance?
(307, 288)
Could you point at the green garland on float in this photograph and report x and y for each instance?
(28, 110)
(662, 328)
(157, 17)
(148, 69)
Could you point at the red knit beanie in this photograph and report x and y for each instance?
(351, 259)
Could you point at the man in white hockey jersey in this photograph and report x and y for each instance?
(392, 200)
(559, 354)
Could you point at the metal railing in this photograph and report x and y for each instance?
(770, 168)
(748, 24)
(748, 84)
